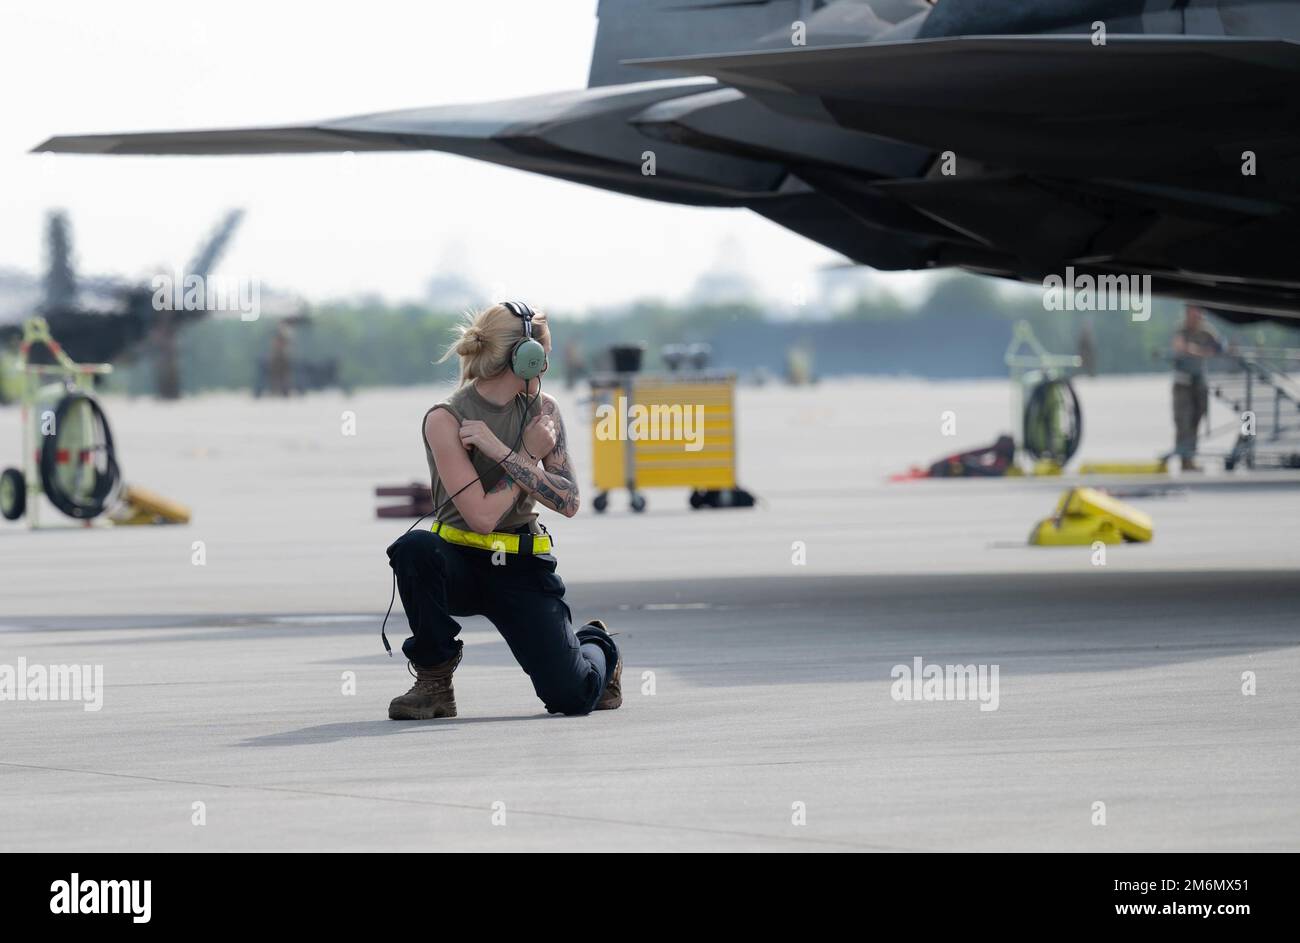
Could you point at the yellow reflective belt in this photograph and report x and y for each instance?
(494, 541)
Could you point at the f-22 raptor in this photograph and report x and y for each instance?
(1014, 138)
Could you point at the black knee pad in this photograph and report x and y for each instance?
(415, 543)
(594, 635)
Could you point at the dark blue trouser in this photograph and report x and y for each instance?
(522, 596)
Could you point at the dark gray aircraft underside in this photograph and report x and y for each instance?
(1126, 157)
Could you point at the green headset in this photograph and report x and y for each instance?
(527, 356)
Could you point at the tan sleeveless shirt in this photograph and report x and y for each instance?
(505, 423)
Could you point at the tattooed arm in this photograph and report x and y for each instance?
(447, 438)
(552, 479)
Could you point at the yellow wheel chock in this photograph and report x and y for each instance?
(145, 507)
(1086, 515)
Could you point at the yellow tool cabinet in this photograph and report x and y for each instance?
(667, 431)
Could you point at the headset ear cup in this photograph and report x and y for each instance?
(528, 359)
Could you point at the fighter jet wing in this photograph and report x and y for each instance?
(583, 136)
(1124, 156)
(300, 139)
(458, 128)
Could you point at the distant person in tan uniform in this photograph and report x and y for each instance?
(1088, 349)
(1193, 343)
(575, 364)
(279, 369)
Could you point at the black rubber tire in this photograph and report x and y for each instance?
(104, 483)
(638, 503)
(1037, 435)
(697, 500)
(600, 502)
(13, 486)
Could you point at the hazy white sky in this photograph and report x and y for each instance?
(329, 225)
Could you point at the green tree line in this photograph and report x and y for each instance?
(378, 344)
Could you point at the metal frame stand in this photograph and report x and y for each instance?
(76, 377)
(1033, 366)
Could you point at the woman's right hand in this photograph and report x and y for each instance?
(540, 437)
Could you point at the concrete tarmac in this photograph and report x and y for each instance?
(759, 692)
(744, 697)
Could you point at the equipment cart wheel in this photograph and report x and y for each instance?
(600, 502)
(638, 502)
(13, 494)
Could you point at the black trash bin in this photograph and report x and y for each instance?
(627, 357)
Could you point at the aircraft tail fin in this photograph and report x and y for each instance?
(210, 252)
(60, 276)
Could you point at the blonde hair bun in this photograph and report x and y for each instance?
(471, 341)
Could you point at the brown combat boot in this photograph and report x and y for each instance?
(430, 697)
(612, 696)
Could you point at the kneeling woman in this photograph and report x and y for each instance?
(495, 448)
